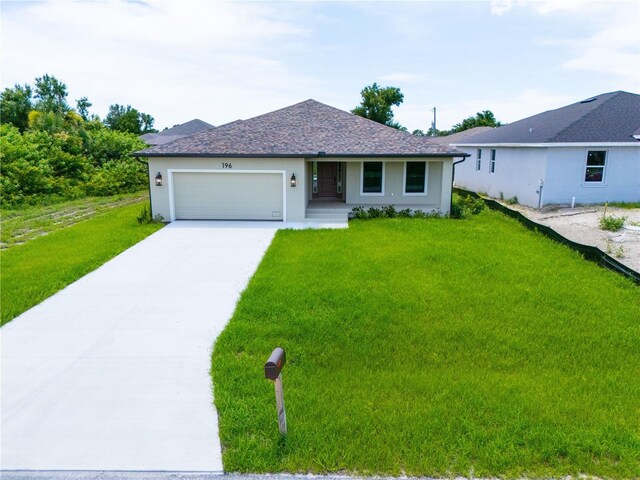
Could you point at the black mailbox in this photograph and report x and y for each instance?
(274, 364)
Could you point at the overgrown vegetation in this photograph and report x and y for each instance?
(437, 349)
(46, 264)
(465, 205)
(611, 222)
(51, 152)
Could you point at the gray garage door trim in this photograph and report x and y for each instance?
(171, 184)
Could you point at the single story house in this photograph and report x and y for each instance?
(587, 152)
(177, 131)
(290, 164)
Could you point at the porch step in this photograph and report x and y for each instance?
(328, 217)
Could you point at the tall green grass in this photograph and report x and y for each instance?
(435, 348)
(36, 270)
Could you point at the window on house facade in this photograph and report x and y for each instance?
(596, 161)
(372, 178)
(478, 159)
(492, 165)
(415, 178)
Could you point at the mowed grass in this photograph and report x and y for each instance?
(433, 347)
(39, 268)
(20, 225)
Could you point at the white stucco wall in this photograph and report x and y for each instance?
(437, 197)
(517, 172)
(294, 198)
(393, 185)
(566, 171)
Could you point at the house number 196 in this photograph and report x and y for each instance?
(226, 165)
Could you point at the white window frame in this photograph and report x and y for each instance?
(492, 161)
(371, 194)
(604, 168)
(478, 159)
(404, 181)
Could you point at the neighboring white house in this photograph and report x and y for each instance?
(281, 165)
(589, 151)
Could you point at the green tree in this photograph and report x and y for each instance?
(15, 105)
(377, 102)
(128, 119)
(486, 118)
(51, 95)
(82, 105)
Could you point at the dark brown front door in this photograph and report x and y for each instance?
(327, 181)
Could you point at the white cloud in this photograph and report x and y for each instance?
(167, 58)
(614, 50)
(500, 7)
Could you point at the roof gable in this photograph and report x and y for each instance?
(609, 117)
(308, 128)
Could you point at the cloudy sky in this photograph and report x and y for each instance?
(220, 61)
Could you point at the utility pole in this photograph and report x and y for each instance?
(433, 124)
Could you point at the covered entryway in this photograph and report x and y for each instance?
(216, 195)
(328, 180)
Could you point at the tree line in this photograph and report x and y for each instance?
(50, 151)
(377, 103)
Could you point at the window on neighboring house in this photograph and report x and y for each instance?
(373, 178)
(492, 165)
(478, 159)
(596, 160)
(415, 178)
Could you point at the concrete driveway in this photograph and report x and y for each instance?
(112, 373)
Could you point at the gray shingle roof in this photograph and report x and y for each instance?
(170, 134)
(458, 137)
(305, 129)
(609, 117)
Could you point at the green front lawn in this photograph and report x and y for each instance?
(436, 348)
(39, 268)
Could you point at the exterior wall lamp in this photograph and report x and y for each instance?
(293, 180)
(159, 180)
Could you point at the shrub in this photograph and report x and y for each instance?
(145, 216)
(404, 213)
(374, 212)
(512, 201)
(358, 212)
(465, 205)
(611, 222)
(389, 211)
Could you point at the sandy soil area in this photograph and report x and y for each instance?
(581, 225)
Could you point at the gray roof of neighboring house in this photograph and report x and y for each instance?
(179, 131)
(309, 128)
(459, 136)
(609, 117)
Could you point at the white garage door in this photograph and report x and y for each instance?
(227, 196)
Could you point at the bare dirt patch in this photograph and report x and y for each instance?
(582, 225)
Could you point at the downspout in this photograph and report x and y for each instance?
(453, 176)
(148, 183)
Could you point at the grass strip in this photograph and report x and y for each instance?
(433, 348)
(43, 266)
(20, 225)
